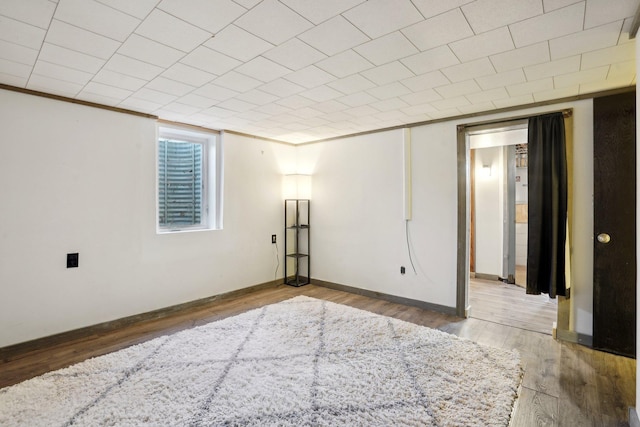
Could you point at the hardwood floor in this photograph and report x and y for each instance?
(563, 385)
(509, 305)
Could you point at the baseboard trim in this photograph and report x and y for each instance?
(633, 417)
(484, 276)
(387, 297)
(12, 351)
(574, 337)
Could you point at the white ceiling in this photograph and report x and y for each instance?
(303, 70)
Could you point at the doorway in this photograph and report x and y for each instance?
(499, 231)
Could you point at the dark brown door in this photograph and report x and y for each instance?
(614, 199)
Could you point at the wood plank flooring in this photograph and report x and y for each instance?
(563, 385)
(509, 305)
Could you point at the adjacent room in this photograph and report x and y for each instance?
(288, 212)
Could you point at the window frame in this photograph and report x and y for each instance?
(212, 172)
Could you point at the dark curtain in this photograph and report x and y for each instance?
(547, 183)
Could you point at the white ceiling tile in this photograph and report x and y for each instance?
(196, 101)
(16, 53)
(234, 104)
(486, 15)
(426, 81)
(238, 43)
(319, 11)
(54, 86)
(352, 84)
(548, 26)
(387, 48)
(236, 81)
(146, 50)
(15, 69)
(389, 91)
(62, 73)
(518, 58)
(171, 31)
(98, 99)
(477, 108)
(70, 58)
(310, 77)
(97, 18)
(610, 55)
(257, 97)
(188, 75)
(247, 3)
(580, 77)
(623, 72)
(281, 87)
(469, 70)
(564, 92)
(294, 54)
(550, 5)
(210, 15)
(388, 73)
(503, 79)
(489, 43)
(553, 68)
(132, 67)
(263, 69)
(344, 64)
(32, 12)
(219, 113)
(364, 110)
(357, 99)
(586, 41)
(210, 61)
(172, 87)
(379, 17)
(331, 106)
(390, 114)
(514, 101)
(252, 116)
(601, 12)
(138, 104)
(456, 89)
(439, 30)
(415, 110)
(389, 104)
(214, 92)
(273, 22)
(74, 38)
(431, 60)
(625, 37)
(106, 90)
(488, 95)
(422, 97)
(321, 93)
(446, 104)
(154, 96)
(334, 36)
(296, 102)
(20, 33)
(430, 8)
(530, 87)
(179, 108)
(138, 8)
(306, 113)
(120, 80)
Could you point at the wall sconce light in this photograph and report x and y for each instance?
(486, 170)
(296, 186)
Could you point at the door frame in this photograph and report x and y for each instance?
(464, 208)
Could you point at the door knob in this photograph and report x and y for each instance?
(604, 238)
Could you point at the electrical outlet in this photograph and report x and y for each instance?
(273, 238)
(72, 260)
(402, 270)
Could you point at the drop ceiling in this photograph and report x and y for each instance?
(304, 70)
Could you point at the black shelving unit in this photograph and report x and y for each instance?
(297, 241)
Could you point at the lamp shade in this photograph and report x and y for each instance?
(296, 186)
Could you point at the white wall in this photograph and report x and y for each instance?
(358, 229)
(80, 179)
(489, 198)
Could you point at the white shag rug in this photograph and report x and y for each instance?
(299, 362)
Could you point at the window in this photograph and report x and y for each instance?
(188, 180)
